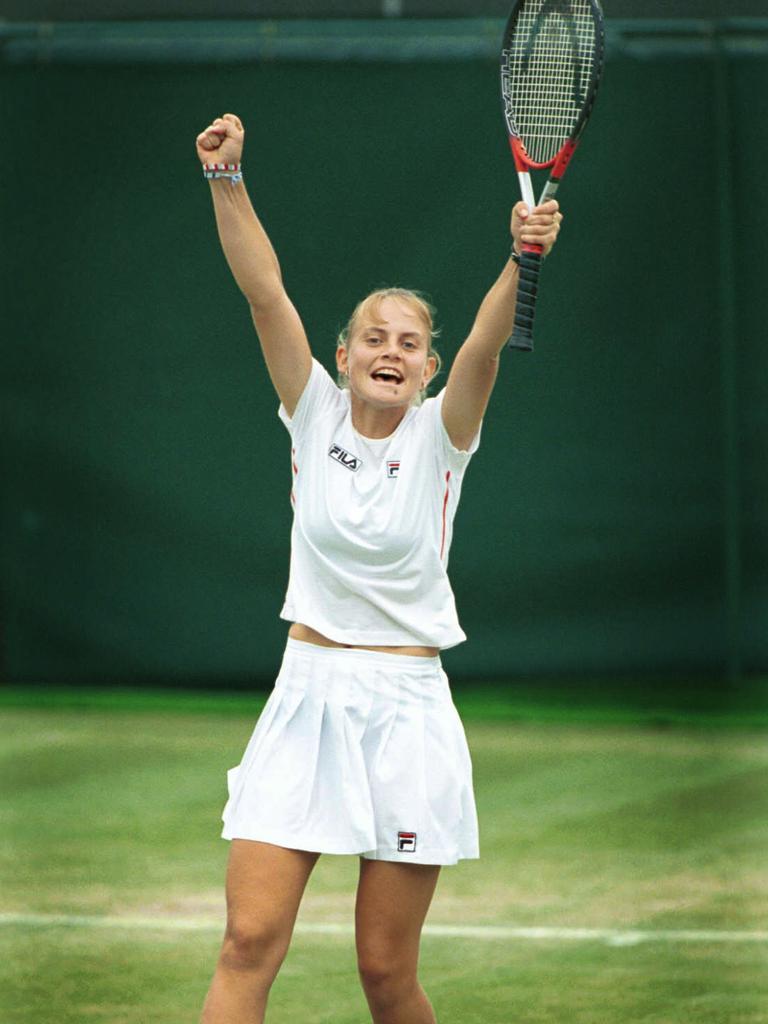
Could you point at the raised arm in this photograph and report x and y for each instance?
(474, 369)
(254, 265)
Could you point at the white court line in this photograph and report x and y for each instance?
(611, 936)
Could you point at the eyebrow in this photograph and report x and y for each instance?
(405, 334)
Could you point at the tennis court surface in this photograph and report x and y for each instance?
(623, 875)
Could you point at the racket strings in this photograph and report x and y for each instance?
(547, 69)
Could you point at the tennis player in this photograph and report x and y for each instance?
(359, 749)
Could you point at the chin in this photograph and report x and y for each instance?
(387, 394)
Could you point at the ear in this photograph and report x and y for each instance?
(429, 371)
(342, 360)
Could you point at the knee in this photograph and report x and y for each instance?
(252, 945)
(383, 975)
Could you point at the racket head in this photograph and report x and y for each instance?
(551, 64)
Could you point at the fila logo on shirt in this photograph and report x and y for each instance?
(393, 468)
(346, 459)
(406, 842)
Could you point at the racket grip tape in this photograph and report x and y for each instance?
(527, 287)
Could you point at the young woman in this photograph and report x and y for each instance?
(359, 749)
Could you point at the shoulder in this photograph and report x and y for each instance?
(321, 394)
(431, 415)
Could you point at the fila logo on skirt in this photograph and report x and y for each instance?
(406, 842)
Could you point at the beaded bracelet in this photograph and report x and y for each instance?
(232, 171)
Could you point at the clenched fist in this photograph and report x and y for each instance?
(539, 226)
(222, 141)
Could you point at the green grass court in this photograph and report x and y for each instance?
(637, 815)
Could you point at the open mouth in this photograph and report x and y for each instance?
(388, 376)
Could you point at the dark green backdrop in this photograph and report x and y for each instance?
(614, 519)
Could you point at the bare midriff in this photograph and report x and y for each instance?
(307, 635)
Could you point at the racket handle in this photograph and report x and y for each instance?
(527, 286)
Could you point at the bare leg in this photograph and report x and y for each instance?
(392, 902)
(264, 888)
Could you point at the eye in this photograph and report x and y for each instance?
(410, 345)
(373, 340)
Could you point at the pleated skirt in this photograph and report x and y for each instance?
(357, 752)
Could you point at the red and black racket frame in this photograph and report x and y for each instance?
(531, 255)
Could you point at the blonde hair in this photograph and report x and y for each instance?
(368, 309)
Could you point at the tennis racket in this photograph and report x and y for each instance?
(551, 63)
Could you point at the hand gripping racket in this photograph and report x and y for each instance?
(551, 62)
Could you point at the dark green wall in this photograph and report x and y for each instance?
(146, 475)
(57, 10)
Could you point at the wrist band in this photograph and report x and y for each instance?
(232, 171)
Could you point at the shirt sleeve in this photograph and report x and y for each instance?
(454, 458)
(320, 395)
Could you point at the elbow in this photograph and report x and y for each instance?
(265, 298)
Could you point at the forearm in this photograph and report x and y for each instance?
(495, 318)
(246, 245)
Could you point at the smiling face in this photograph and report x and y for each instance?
(387, 356)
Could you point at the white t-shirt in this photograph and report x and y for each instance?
(373, 521)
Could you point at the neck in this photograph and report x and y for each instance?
(375, 423)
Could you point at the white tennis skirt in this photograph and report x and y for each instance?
(357, 752)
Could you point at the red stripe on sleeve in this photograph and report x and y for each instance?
(445, 506)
